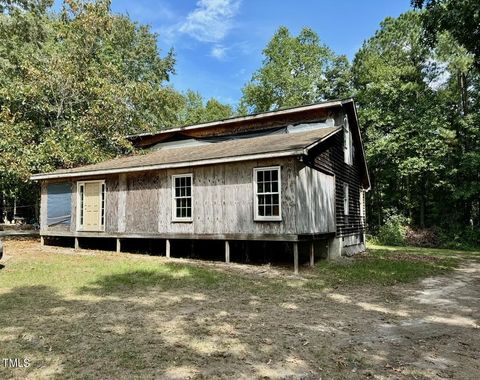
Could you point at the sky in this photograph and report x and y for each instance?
(218, 43)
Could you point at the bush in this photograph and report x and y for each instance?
(467, 238)
(393, 231)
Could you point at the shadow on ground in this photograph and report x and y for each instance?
(190, 322)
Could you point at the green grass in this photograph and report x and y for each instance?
(383, 265)
(109, 273)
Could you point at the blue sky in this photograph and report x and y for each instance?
(219, 43)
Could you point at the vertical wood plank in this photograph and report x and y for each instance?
(167, 248)
(122, 201)
(119, 246)
(295, 257)
(227, 251)
(312, 253)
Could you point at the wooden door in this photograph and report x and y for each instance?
(92, 206)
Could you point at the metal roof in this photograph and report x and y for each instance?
(274, 145)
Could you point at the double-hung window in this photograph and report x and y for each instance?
(267, 193)
(182, 198)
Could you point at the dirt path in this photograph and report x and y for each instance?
(424, 330)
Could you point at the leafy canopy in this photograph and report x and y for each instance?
(296, 70)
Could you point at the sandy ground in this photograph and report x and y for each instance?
(424, 330)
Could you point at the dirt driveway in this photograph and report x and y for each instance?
(243, 328)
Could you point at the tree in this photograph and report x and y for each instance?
(460, 18)
(296, 71)
(422, 145)
(406, 137)
(73, 84)
(195, 110)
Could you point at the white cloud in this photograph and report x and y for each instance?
(219, 52)
(211, 20)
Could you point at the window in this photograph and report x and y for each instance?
(346, 197)
(91, 205)
(362, 203)
(182, 198)
(267, 193)
(347, 142)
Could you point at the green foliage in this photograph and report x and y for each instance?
(418, 116)
(72, 86)
(460, 18)
(296, 71)
(393, 230)
(195, 110)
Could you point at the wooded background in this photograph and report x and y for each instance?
(74, 83)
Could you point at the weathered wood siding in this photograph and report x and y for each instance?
(315, 201)
(222, 200)
(142, 203)
(330, 158)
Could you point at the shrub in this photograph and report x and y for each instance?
(393, 231)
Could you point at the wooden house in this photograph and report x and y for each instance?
(296, 175)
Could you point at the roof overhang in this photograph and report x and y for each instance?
(89, 173)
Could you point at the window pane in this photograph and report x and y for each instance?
(189, 191)
(188, 213)
(276, 210)
(267, 175)
(188, 202)
(275, 199)
(261, 199)
(188, 181)
(261, 210)
(268, 187)
(177, 182)
(268, 210)
(275, 175)
(259, 176)
(275, 187)
(260, 187)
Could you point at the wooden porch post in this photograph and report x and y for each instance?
(167, 248)
(42, 241)
(312, 253)
(119, 246)
(227, 251)
(295, 257)
(77, 243)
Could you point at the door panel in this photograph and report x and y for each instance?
(92, 206)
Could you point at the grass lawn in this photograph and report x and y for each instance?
(95, 314)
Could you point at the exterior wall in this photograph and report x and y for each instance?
(315, 201)
(223, 201)
(350, 228)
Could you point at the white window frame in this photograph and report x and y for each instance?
(175, 218)
(273, 218)
(347, 142)
(362, 203)
(346, 199)
(103, 205)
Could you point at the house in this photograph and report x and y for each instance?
(296, 175)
